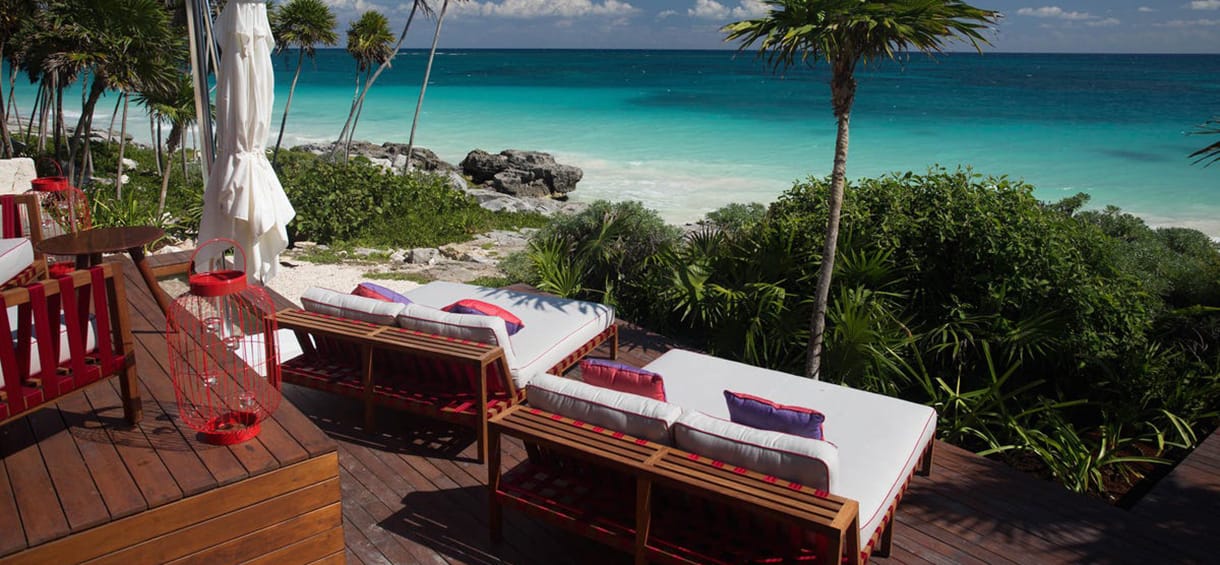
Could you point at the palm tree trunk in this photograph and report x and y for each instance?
(60, 126)
(118, 176)
(436, 36)
(44, 116)
(83, 126)
(114, 114)
(838, 178)
(359, 102)
(357, 108)
(288, 104)
(169, 161)
(12, 99)
(6, 142)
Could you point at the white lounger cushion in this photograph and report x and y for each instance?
(879, 438)
(65, 352)
(631, 414)
(554, 327)
(470, 327)
(16, 254)
(809, 462)
(343, 305)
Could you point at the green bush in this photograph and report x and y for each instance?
(358, 202)
(602, 253)
(1037, 330)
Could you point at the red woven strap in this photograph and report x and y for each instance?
(8, 364)
(48, 342)
(101, 313)
(9, 216)
(77, 332)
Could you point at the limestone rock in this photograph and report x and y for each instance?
(521, 173)
(423, 256)
(16, 174)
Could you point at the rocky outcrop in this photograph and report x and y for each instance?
(521, 173)
(390, 156)
(514, 180)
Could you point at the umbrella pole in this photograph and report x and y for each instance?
(203, 102)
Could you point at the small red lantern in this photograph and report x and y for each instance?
(65, 208)
(223, 353)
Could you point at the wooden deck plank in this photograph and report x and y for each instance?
(12, 535)
(119, 491)
(37, 504)
(82, 503)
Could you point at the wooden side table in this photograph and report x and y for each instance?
(89, 245)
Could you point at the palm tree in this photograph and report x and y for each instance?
(424, 87)
(843, 33)
(416, 6)
(368, 42)
(176, 106)
(1211, 153)
(126, 45)
(304, 23)
(12, 14)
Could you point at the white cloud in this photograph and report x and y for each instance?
(1205, 5)
(713, 10)
(1056, 12)
(666, 13)
(1146, 9)
(1189, 23)
(547, 8)
(709, 9)
(1103, 23)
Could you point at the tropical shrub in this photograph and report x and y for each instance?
(359, 202)
(1081, 342)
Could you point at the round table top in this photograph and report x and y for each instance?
(100, 240)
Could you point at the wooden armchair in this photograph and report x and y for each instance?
(67, 333)
(20, 230)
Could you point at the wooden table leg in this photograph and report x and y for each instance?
(150, 280)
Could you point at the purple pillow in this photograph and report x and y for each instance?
(378, 292)
(623, 378)
(764, 414)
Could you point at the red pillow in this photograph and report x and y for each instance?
(469, 306)
(623, 378)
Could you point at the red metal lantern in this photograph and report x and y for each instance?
(65, 208)
(223, 353)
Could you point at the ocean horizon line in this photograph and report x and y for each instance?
(973, 52)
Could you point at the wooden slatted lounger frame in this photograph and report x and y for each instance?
(93, 297)
(319, 367)
(652, 467)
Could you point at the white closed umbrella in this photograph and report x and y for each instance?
(244, 200)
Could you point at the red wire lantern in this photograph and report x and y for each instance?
(223, 353)
(65, 209)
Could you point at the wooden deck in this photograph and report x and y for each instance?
(77, 483)
(411, 493)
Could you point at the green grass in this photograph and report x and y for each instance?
(491, 282)
(398, 276)
(340, 254)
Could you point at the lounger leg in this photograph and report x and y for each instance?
(614, 343)
(887, 540)
(495, 515)
(925, 463)
(643, 519)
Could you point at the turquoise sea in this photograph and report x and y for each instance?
(688, 131)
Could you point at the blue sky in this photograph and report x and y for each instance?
(1075, 26)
